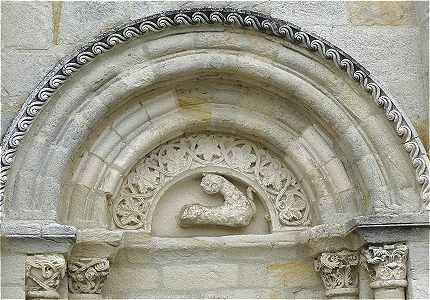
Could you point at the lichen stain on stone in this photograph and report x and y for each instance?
(275, 294)
(422, 128)
(56, 17)
(185, 102)
(382, 13)
(294, 274)
(204, 113)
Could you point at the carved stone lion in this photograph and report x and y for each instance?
(237, 211)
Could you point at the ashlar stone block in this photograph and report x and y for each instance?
(209, 276)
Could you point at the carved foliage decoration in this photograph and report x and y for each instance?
(338, 270)
(168, 160)
(87, 275)
(43, 274)
(386, 263)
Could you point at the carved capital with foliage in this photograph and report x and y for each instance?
(339, 272)
(87, 275)
(43, 274)
(386, 265)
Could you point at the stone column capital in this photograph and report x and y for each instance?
(386, 265)
(339, 272)
(87, 275)
(43, 274)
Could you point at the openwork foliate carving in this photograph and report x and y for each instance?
(87, 275)
(43, 274)
(168, 160)
(339, 271)
(237, 211)
(386, 265)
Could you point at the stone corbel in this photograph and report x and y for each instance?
(43, 274)
(387, 267)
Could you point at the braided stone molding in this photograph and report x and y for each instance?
(246, 19)
(339, 272)
(43, 274)
(386, 265)
(163, 164)
(87, 275)
(237, 211)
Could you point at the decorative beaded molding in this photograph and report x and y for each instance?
(40, 96)
(163, 164)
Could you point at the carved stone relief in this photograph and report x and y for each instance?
(43, 274)
(87, 275)
(40, 96)
(160, 166)
(237, 211)
(339, 272)
(386, 265)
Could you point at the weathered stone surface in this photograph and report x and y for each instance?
(197, 276)
(14, 264)
(58, 230)
(338, 146)
(256, 275)
(20, 229)
(329, 14)
(294, 274)
(9, 107)
(418, 271)
(309, 294)
(383, 13)
(254, 293)
(19, 21)
(12, 292)
(136, 277)
(35, 245)
(40, 62)
(399, 71)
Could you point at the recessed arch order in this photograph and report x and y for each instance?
(279, 29)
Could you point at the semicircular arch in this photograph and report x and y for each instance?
(281, 30)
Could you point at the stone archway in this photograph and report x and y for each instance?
(276, 89)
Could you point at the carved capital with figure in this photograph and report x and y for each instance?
(386, 265)
(339, 272)
(87, 275)
(43, 274)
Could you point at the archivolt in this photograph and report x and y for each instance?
(40, 96)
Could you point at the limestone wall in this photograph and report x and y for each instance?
(243, 272)
(389, 39)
